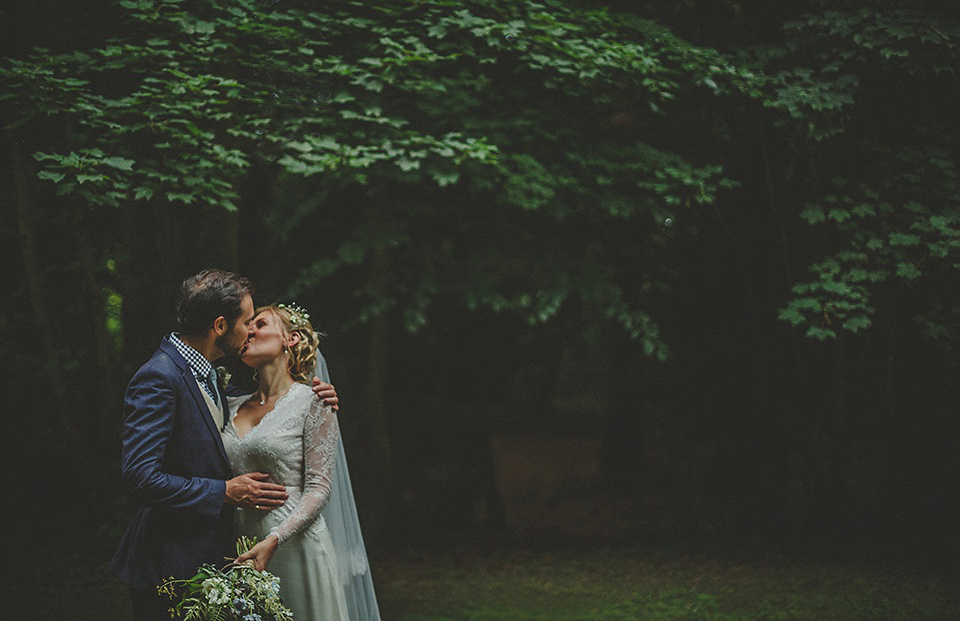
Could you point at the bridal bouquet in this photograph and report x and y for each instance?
(234, 593)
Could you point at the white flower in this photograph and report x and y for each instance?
(217, 590)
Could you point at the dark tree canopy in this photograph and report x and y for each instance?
(734, 225)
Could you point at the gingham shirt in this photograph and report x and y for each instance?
(199, 365)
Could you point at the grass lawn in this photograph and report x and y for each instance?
(605, 585)
(652, 585)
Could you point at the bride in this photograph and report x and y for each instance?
(312, 542)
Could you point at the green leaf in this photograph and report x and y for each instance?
(792, 315)
(812, 213)
(855, 324)
(202, 27)
(908, 270)
(445, 179)
(839, 215)
(864, 210)
(51, 176)
(904, 239)
(119, 163)
(143, 192)
(186, 198)
(406, 165)
(821, 334)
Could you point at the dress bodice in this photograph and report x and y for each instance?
(296, 444)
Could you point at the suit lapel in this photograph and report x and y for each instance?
(204, 412)
(201, 408)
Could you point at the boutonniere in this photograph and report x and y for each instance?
(223, 377)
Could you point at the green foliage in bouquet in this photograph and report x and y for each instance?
(233, 593)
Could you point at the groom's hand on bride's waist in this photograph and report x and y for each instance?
(254, 491)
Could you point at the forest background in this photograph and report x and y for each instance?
(651, 271)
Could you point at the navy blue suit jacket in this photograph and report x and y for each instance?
(175, 467)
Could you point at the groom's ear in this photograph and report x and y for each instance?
(220, 325)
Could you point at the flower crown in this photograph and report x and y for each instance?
(299, 316)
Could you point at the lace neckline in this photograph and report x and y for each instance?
(290, 391)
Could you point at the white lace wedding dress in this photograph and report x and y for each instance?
(296, 443)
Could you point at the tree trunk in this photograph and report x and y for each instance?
(376, 401)
(621, 450)
(138, 288)
(34, 278)
(255, 195)
(149, 280)
(106, 400)
(224, 243)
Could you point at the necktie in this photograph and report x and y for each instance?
(212, 385)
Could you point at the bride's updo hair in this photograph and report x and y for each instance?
(303, 355)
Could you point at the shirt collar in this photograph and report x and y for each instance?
(198, 364)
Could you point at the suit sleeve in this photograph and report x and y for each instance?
(150, 406)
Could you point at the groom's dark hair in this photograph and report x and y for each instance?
(208, 295)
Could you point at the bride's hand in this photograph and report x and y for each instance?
(326, 392)
(261, 553)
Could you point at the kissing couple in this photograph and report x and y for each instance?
(205, 467)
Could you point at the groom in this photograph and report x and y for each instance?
(173, 461)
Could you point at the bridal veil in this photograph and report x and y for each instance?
(343, 524)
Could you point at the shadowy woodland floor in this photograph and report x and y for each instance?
(650, 583)
(58, 572)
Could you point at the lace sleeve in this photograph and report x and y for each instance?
(320, 437)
